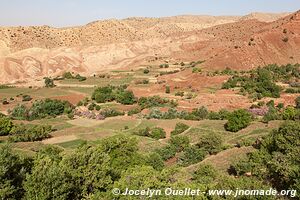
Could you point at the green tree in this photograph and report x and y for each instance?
(49, 180)
(12, 173)
(211, 143)
(49, 82)
(238, 120)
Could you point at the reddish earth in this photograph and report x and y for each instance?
(72, 98)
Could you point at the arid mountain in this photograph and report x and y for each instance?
(247, 44)
(28, 53)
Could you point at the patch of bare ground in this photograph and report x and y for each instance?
(60, 139)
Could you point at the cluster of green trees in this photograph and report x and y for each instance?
(155, 101)
(22, 132)
(29, 133)
(261, 82)
(41, 109)
(187, 153)
(277, 158)
(155, 133)
(69, 75)
(113, 93)
(89, 172)
(280, 112)
(108, 112)
(172, 113)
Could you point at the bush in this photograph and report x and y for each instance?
(154, 101)
(26, 97)
(134, 111)
(272, 114)
(111, 112)
(191, 155)
(5, 126)
(98, 107)
(211, 143)
(297, 102)
(180, 142)
(167, 152)
(146, 71)
(286, 39)
(155, 160)
(205, 174)
(155, 133)
(179, 93)
(68, 75)
(168, 89)
(292, 90)
(179, 128)
(289, 113)
(238, 120)
(49, 83)
(196, 70)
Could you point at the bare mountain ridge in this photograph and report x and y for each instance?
(110, 31)
(28, 53)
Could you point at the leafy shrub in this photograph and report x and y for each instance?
(180, 142)
(205, 174)
(272, 114)
(168, 89)
(26, 97)
(111, 112)
(5, 125)
(211, 143)
(179, 128)
(156, 133)
(292, 90)
(167, 152)
(297, 102)
(179, 93)
(191, 155)
(238, 120)
(155, 160)
(49, 83)
(154, 101)
(196, 70)
(134, 111)
(146, 71)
